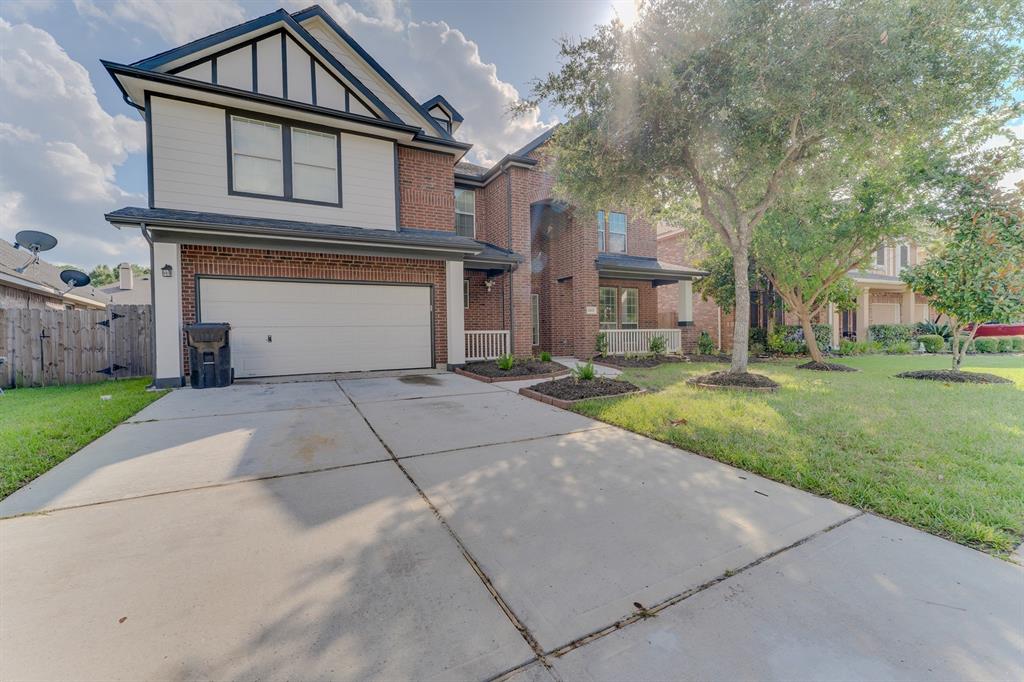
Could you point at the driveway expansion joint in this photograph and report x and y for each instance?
(644, 612)
(514, 619)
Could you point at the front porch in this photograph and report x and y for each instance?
(880, 300)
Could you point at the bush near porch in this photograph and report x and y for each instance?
(944, 458)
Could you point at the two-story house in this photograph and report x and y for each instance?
(298, 192)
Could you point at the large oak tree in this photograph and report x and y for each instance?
(729, 99)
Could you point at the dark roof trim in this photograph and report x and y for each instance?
(481, 180)
(157, 77)
(318, 11)
(406, 238)
(638, 267)
(262, 22)
(445, 104)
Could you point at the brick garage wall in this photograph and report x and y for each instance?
(222, 260)
(426, 184)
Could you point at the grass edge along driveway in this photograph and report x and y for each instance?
(947, 459)
(41, 427)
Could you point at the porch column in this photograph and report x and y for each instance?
(863, 305)
(167, 333)
(833, 320)
(455, 309)
(685, 306)
(908, 315)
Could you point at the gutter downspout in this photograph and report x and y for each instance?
(152, 298)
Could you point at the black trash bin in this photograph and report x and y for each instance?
(209, 353)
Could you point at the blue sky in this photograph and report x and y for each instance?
(60, 172)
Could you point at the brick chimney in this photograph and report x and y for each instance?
(127, 276)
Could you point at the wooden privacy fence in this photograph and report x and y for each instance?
(53, 347)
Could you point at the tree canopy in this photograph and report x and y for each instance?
(727, 100)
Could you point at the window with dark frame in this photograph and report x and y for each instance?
(465, 212)
(880, 256)
(611, 232)
(284, 161)
(904, 255)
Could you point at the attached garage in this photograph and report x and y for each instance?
(284, 327)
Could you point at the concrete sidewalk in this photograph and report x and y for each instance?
(434, 527)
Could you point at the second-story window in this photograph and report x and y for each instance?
(880, 256)
(611, 232)
(904, 256)
(465, 212)
(257, 157)
(277, 160)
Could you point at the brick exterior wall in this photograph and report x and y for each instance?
(676, 248)
(426, 184)
(488, 310)
(223, 260)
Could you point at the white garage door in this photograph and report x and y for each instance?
(280, 328)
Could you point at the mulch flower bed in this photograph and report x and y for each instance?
(564, 392)
(642, 361)
(711, 358)
(827, 367)
(531, 369)
(729, 380)
(954, 377)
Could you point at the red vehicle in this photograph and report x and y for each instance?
(994, 329)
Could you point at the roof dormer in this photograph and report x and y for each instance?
(441, 110)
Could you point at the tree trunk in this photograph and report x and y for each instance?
(741, 311)
(810, 339)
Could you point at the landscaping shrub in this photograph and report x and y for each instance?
(1018, 344)
(756, 348)
(506, 362)
(584, 372)
(759, 335)
(899, 348)
(847, 347)
(933, 343)
(888, 334)
(545, 356)
(1005, 346)
(602, 343)
(985, 346)
(789, 338)
(705, 346)
(657, 345)
(932, 329)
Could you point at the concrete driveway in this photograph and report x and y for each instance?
(433, 527)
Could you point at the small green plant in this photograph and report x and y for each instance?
(756, 348)
(899, 348)
(545, 356)
(1005, 345)
(657, 345)
(933, 343)
(793, 348)
(602, 343)
(985, 346)
(931, 328)
(1018, 344)
(506, 362)
(705, 346)
(584, 371)
(847, 347)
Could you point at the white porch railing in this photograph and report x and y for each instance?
(486, 345)
(626, 341)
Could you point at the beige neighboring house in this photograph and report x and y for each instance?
(882, 297)
(129, 289)
(39, 287)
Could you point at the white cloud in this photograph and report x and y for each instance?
(177, 22)
(60, 150)
(412, 52)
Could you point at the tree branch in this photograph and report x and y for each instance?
(796, 149)
(704, 193)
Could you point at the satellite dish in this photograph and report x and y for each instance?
(74, 278)
(35, 242)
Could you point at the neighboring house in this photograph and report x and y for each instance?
(298, 192)
(129, 289)
(39, 286)
(883, 298)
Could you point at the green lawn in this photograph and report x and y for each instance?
(41, 427)
(948, 459)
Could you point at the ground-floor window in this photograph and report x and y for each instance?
(848, 324)
(619, 307)
(535, 317)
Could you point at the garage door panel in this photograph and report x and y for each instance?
(316, 327)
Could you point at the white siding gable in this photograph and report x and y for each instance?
(189, 159)
(284, 68)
